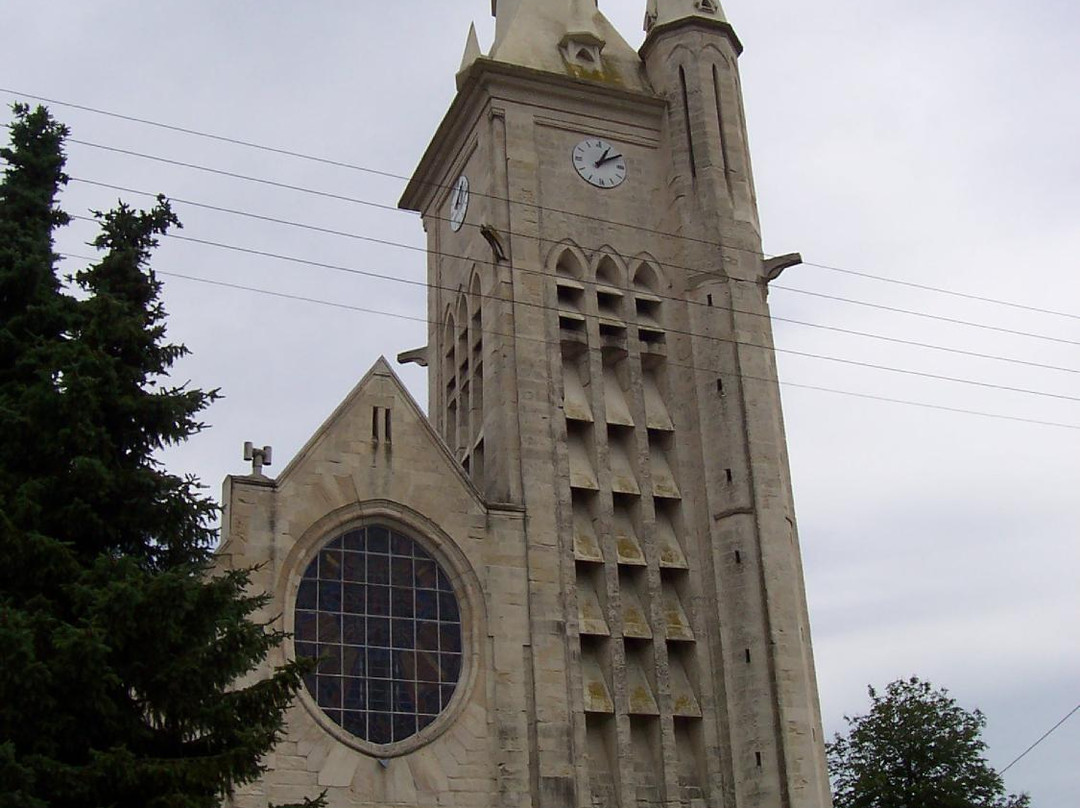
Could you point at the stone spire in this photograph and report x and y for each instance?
(472, 51)
(564, 36)
(662, 12)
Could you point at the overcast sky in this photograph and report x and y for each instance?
(934, 143)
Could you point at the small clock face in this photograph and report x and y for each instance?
(459, 203)
(599, 163)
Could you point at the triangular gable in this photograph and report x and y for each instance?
(380, 374)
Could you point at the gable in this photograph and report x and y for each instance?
(377, 444)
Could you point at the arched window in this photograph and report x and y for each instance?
(450, 380)
(609, 294)
(462, 317)
(476, 385)
(448, 343)
(648, 303)
(476, 322)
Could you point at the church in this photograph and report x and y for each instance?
(575, 581)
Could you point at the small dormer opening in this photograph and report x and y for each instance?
(582, 49)
(708, 6)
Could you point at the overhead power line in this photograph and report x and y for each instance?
(774, 318)
(554, 344)
(392, 175)
(1046, 735)
(375, 240)
(545, 307)
(391, 208)
(423, 320)
(923, 314)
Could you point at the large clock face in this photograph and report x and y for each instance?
(459, 203)
(599, 163)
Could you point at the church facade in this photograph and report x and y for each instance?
(576, 581)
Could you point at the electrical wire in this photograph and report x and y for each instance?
(798, 353)
(394, 209)
(1046, 735)
(391, 208)
(790, 351)
(550, 343)
(414, 248)
(386, 242)
(440, 186)
(924, 315)
(770, 317)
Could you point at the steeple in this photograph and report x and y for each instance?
(664, 12)
(578, 585)
(571, 37)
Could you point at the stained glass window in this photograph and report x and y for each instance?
(380, 615)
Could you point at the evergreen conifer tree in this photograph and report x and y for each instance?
(132, 672)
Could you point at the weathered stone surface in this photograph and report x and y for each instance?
(603, 473)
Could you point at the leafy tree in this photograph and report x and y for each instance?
(132, 673)
(916, 748)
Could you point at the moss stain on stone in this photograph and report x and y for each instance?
(629, 550)
(641, 700)
(607, 73)
(683, 706)
(586, 548)
(598, 697)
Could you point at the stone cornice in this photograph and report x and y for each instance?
(690, 22)
(474, 85)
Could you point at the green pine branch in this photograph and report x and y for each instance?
(133, 671)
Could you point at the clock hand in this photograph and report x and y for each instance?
(603, 158)
(606, 159)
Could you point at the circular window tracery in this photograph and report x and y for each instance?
(380, 614)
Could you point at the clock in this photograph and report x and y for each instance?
(599, 163)
(459, 203)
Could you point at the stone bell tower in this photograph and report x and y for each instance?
(576, 581)
(601, 354)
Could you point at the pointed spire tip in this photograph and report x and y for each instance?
(472, 50)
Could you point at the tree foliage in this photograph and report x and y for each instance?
(916, 748)
(121, 646)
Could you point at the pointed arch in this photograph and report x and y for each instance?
(462, 317)
(711, 49)
(568, 260)
(449, 331)
(449, 340)
(609, 269)
(461, 310)
(648, 276)
(476, 294)
(681, 54)
(649, 284)
(609, 272)
(472, 421)
(476, 322)
(449, 377)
